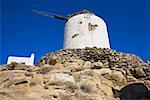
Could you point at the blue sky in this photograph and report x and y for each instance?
(23, 32)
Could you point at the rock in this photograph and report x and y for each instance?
(136, 91)
(118, 78)
(61, 78)
(80, 62)
(75, 74)
(121, 70)
(11, 66)
(29, 74)
(36, 79)
(107, 82)
(139, 73)
(131, 79)
(83, 96)
(98, 65)
(19, 80)
(21, 87)
(59, 65)
(90, 85)
(87, 64)
(45, 69)
(106, 89)
(4, 76)
(147, 82)
(73, 66)
(51, 62)
(103, 72)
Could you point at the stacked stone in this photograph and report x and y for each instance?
(74, 74)
(147, 70)
(128, 63)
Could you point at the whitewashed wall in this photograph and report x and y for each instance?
(25, 60)
(86, 30)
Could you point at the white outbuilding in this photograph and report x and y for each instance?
(85, 29)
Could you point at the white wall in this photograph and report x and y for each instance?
(86, 30)
(25, 60)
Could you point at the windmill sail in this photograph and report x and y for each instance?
(51, 15)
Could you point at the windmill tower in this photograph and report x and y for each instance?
(83, 29)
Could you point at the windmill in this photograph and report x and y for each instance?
(82, 29)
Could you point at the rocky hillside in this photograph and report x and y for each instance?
(77, 74)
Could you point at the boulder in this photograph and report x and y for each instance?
(78, 74)
(61, 78)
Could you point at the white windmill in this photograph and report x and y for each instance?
(83, 29)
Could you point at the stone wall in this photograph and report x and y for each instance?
(77, 74)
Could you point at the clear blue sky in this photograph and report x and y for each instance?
(23, 32)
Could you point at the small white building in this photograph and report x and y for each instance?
(25, 60)
(85, 29)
